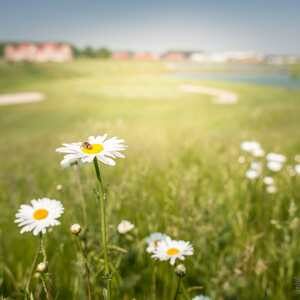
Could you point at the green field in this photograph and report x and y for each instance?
(295, 70)
(181, 176)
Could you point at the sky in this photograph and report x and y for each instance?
(266, 26)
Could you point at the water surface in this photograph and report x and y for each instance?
(272, 79)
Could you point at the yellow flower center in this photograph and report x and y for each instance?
(88, 148)
(40, 214)
(173, 251)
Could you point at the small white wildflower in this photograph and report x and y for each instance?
(276, 157)
(252, 174)
(172, 250)
(268, 180)
(271, 189)
(297, 169)
(274, 166)
(124, 227)
(250, 146)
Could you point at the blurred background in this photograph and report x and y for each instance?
(184, 83)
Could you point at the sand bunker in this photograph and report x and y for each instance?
(20, 98)
(220, 96)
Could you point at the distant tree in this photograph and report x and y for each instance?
(92, 52)
(103, 53)
(88, 52)
(77, 51)
(2, 46)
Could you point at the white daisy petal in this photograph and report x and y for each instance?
(153, 240)
(201, 297)
(106, 160)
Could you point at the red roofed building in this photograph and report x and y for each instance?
(145, 56)
(175, 56)
(122, 55)
(42, 52)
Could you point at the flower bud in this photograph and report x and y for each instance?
(37, 275)
(180, 270)
(59, 187)
(42, 267)
(75, 229)
(124, 227)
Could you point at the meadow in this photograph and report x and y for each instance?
(295, 70)
(181, 176)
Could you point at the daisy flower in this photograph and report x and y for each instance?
(100, 147)
(153, 240)
(252, 174)
(274, 166)
(171, 250)
(268, 180)
(40, 215)
(275, 161)
(124, 227)
(253, 148)
(275, 157)
(271, 189)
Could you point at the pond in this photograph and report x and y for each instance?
(263, 78)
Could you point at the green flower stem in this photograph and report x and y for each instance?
(184, 292)
(43, 249)
(177, 288)
(45, 260)
(48, 296)
(154, 281)
(102, 201)
(33, 266)
(87, 269)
